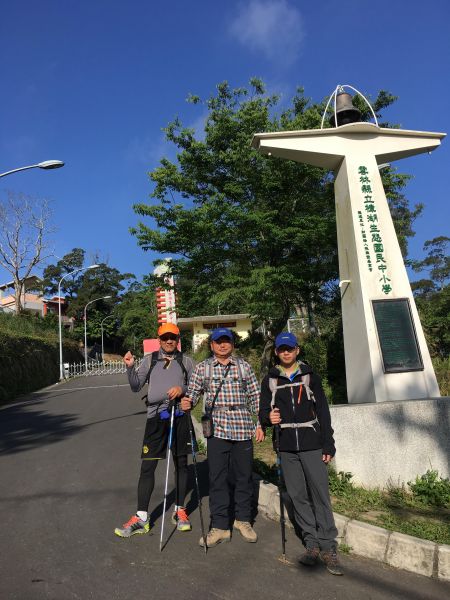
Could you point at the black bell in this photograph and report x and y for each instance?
(345, 111)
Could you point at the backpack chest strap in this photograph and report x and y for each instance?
(300, 425)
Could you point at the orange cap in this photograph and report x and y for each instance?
(168, 328)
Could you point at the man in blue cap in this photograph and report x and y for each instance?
(293, 401)
(231, 396)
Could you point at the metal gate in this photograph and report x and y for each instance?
(95, 367)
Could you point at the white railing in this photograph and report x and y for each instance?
(96, 368)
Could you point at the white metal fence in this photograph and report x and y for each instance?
(95, 367)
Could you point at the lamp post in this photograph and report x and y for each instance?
(101, 326)
(61, 370)
(47, 164)
(85, 328)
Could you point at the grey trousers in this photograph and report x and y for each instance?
(313, 512)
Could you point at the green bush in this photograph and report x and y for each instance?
(340, 482)
(442, 370)
(29, 355)
(431, 489)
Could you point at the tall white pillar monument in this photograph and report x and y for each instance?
(386, 355)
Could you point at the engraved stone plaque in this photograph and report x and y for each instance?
(397, 337)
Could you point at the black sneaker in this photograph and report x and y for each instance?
(331, 562)
(310, 556)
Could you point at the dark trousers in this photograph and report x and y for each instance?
(226, 457)
(303, 471)
(147, 480)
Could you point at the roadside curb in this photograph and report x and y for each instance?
(390, 547)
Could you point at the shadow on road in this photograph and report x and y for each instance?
(23, 427)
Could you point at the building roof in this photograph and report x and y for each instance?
(211, 319)
(29, 282)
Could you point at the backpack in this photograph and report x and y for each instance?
(207, 379)
(241, 371)
(305, 381)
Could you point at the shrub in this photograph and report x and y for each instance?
(431, 489)
(340, 482)
(29, 355)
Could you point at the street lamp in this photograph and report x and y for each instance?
(101, 326)
(47, 164)
(61, 371)
(85, 328)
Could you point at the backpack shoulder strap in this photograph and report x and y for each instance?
(273, 384)
(242, 374)
(179, 358)
(207, 377)
(153, 362)
(306, 380)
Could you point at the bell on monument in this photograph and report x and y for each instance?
(345, 111)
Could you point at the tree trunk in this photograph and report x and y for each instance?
(18, 291)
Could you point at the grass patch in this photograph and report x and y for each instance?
(396, 509)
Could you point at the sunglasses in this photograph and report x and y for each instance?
(169, 337)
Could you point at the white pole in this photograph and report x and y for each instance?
(85, 340)
(85, 329)
(101, 325)
(61, 369)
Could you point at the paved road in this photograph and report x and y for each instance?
(69, 462)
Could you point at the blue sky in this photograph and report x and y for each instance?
(92, 82)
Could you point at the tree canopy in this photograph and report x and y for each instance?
(87, 285)
(252, 233)
(433, 294)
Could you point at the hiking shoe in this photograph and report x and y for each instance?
(181, 520)
(331, 562)
(310, 556)
(246, 530)
(133, 526)
(215, 536)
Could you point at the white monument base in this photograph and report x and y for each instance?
(392, 442)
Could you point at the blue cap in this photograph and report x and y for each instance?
(221, 332)
(286, 339)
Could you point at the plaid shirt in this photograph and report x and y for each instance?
(233, 407)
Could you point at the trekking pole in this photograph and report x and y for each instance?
(282, 558)
(197, 487)
(169, 451)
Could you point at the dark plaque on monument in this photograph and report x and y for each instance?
(397, 336)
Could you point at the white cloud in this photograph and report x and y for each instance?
(148, 150)
(271, 27)
(198, 125)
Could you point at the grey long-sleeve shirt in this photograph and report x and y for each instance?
(161, 380)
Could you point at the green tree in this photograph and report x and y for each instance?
(436, 262)
(85, 286)
(252, 233)
(52, 275)
(97, 283)
(137, 316)
(433, 294)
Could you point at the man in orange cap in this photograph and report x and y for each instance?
(167, 372)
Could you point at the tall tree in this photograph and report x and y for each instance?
(24, 232)
(433, 294)
(70, 262)
(137, 315)
(86, 286)
(252, 233)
